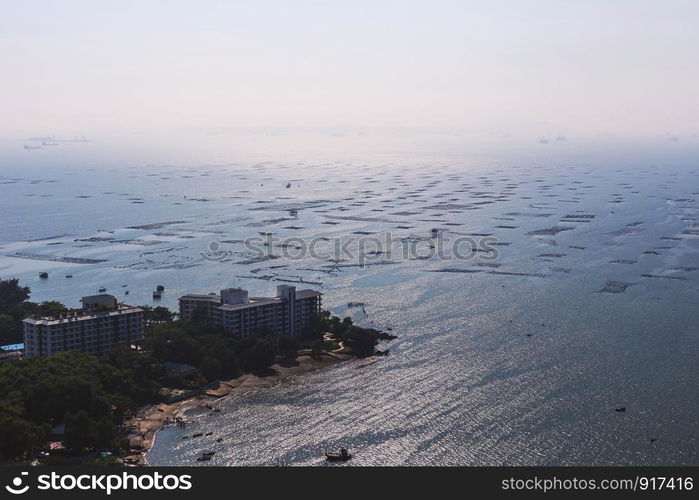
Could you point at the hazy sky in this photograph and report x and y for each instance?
(497, 67)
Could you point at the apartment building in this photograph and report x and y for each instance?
(100, 324)
(288, 313)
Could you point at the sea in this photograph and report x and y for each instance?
(534, 296)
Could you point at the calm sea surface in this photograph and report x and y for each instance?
(520, 359)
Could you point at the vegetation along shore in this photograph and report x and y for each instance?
(74, 407)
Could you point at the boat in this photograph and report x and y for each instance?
(205, 457)
(157, 295)
(160, 288)
(343, 456)
(43, 276)
(69, 275)
(102, 290)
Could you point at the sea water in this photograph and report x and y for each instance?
(518, 357)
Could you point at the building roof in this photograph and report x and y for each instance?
(9, 356)
(123, 309)
(307, 293)
(98, 296)
(253, 302)
(202, 297)
(11, 347)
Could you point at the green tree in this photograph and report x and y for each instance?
(17, 437)
(157, 315)
(260, 355)
(51, 308)
(288, 346)
(83, 431)
(170, 342)
(122, 406)
(10, 330)
(11, 294)
(317, 347)
(79, 430)
(211, 368)
(361, 340)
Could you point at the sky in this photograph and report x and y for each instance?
(492, 68)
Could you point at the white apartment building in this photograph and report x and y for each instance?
(100, 324)
(287, 313)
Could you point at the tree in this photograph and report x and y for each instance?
(18, 437)
(79, 430)
(122, 406)
(317, 347)
(157, 315)
(11, 294)
(170, 342)
(10, 330)
(90, 395)
(82, 431)
(361, 340)
(260, 355)
(211, 368)
(51, 308)
(288, 346)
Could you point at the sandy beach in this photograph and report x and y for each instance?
(150, 419)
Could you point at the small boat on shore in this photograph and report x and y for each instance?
(205, 457)
(343, 456)
(43, 276)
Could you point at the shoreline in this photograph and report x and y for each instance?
(144, 426)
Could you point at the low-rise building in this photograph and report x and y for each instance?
(100, 324)
(7, 356)
(286, 314)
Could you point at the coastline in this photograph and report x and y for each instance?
(144, 426)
